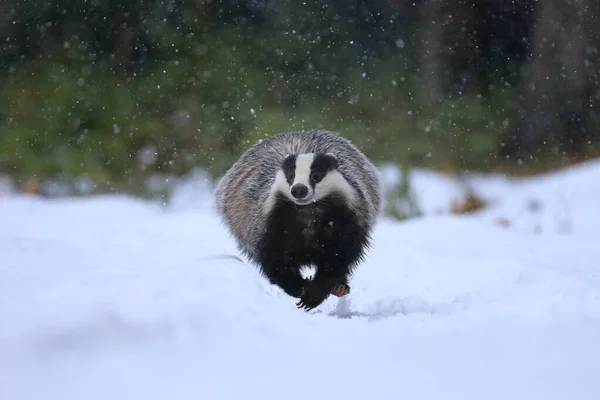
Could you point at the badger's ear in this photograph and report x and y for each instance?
(332, 160)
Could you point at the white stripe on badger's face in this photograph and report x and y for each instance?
(302, 176)
(281, 185)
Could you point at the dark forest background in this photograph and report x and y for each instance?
(102, 95)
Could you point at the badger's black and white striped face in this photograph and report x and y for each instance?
(310, 177)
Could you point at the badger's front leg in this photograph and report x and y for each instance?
(330, 278)
(280, 269)
(287, 277)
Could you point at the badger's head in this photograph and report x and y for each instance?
(310, 177)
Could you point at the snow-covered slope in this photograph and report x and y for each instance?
(112, 297)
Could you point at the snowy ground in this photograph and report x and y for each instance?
(112, 297)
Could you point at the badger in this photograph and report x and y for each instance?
(302, 199)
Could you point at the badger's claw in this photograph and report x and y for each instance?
(307, 305)
(301, 304)
(313, 294)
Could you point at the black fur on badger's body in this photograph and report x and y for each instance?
(324, 235)
(300, 199)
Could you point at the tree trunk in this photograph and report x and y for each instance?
(430, 60)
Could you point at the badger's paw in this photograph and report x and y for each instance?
(314, 293)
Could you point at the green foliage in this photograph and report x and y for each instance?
(206, 89)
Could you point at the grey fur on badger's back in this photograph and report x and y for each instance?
(242, 193)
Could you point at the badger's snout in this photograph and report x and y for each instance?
(299, 191)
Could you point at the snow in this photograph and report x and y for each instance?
(115, 297)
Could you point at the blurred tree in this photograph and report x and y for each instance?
(558, 108)
(471, 47)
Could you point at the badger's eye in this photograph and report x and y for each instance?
(315, 176)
